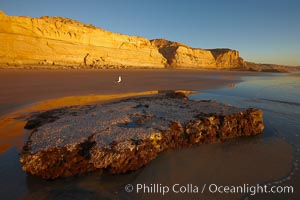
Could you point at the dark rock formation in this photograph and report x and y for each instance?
(125, 135)
(259, 67)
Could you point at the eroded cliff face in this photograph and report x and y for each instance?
(179, 55)
(62, 41)
(227, 58)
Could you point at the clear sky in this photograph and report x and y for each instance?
(264, 31)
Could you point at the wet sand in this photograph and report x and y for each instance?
(250, 160)
(22, 87)
(21, 90)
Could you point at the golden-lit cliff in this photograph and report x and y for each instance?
(60, 41)
(179, 55)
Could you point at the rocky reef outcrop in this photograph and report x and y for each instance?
(182, 56)
(125, 135)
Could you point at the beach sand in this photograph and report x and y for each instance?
(22, 87)
(236, 162)
(23, 91)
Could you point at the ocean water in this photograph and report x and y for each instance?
(278, 95)
(271, 159)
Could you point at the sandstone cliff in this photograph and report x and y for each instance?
(62, 41)
(227, 58)
(179, 55)
(65, 42)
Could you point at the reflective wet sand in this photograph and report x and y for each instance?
(23, 87)
(269, 158)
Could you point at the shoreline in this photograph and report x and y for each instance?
(21, 88)
(286, 69)
(164, 166)
(25, 94)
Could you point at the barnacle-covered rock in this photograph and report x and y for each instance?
(125, 135)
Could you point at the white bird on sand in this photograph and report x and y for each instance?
(119, 80)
